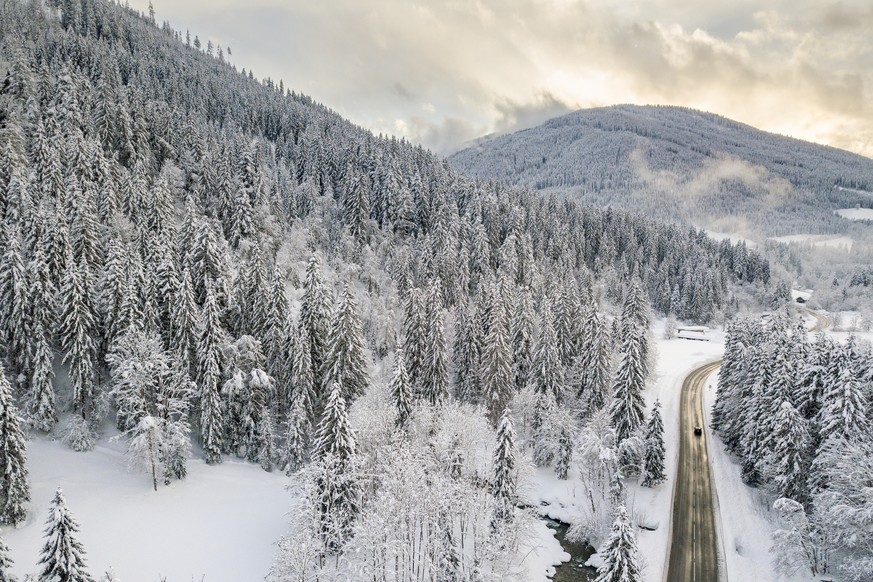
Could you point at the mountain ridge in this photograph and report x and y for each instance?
(624, 154)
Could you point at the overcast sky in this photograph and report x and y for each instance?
(442, 72)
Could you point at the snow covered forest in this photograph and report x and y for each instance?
(680, 165)
(208, 265)
(798, 415)
(675, 163)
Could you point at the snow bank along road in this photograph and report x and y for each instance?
(821, 322)
(694, 544)
(693, 549)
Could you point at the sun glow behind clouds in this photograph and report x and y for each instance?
(442, 73)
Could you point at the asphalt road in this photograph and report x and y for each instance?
(694, 547)
(821, 322)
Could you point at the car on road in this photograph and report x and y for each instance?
(698, 431)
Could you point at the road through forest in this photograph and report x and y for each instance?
(694, 544)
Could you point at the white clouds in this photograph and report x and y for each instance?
(454, 69)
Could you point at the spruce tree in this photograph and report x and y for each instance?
(14, 296)
(653, 469)
(594, 363)
(435, 375)
(844, 406)
(620, 554)
(626, 409)
(415, 332)
(315, 316)
(303, 386)
(522, 330)
(77, 335)
(466, 353)
(208, 378)
(496, 368)
(184, 322)
(336, 487)
(345, 361)
(401, 390)
(564, 453)
(5, 564)
(503, 481)
(15, 490)
(547, 373)
(790, 460)
(296, 436)
(63, 556)
(41, 411)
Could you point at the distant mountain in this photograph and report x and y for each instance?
(680, 164)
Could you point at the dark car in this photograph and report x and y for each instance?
(698, 431)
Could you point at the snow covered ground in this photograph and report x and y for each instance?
(818, 240)
(220, 524)
(223, 522)
(856, 213)
(731, 236)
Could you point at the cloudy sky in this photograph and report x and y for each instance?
(442, 72)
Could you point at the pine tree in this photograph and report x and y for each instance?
(567, 317)
(635, 318)
(401, 390)
(653, 469)
(15, 490)
(334, 434)
(620, 555)
(345, 361)
(63, 556)
(626, 409)
(208, 378)
(276, 327)
(503, 483)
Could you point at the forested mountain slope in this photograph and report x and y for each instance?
(219, 267)
(680, 164)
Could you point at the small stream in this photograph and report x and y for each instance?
(575, 569)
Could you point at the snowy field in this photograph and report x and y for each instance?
(731, 236)
(856, 213)
(817, 240)
(220, 524)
